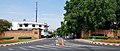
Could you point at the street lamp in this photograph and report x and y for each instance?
(65, 28)
(115, 22)
(115, 25)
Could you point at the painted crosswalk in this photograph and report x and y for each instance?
(23, 48)
(35, 48)
(55, 40)
(10, 49)
(49, 47)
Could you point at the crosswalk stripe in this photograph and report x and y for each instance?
(48, 47)
(23, 48)
(55, 40)
(35, 48)
(10, 49)
(53, 47)
(57, 47)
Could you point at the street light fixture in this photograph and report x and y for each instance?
(115, 23)
(115, 26)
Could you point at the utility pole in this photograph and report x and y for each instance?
(36, 2)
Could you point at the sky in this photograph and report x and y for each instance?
(49, 11)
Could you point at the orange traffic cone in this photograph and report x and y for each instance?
(60, 42)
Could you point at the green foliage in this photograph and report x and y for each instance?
(88, 38)
(24, 37)
(113, 30)
(89, 15)
(118, 10)
(101, 37)
(4, 25)
(59, 31)
(97, 37)
(6, 38)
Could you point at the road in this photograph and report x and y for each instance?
(49, 45)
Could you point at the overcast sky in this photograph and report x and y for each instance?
(49, 11)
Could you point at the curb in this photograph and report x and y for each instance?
(3, 45)
(98, 43)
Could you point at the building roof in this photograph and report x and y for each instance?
(30, 23)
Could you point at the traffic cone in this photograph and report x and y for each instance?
(60, 42)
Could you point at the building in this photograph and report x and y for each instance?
(30, 26)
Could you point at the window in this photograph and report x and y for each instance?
(26, 25)
(45, 30)
(40, 26)
(20, 25)
(35, 32)
(45, 26)
(33, 25)
(19, 29)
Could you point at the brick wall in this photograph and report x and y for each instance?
(35, 33)
(108, 33)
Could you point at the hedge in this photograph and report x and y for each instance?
(24, 37)
(101, 37)
(88, 38)
(97, 37)
(6, 38)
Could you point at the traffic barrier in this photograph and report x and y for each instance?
(60, 42)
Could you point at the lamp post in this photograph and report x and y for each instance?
(65, 30)
(115, 29)
(36, 14)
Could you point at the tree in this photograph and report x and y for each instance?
(89, 14)
(118, 10)
(62, 31)
(4, 25)
(58, 31)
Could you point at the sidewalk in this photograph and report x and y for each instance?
(99, 43)
(2, 45)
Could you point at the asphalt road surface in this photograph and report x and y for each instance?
(49, 45)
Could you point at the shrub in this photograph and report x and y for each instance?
(88, 37)
(101, 37)
(111, 41)
(97, 37)
(24, 37)
(6, 38)
(7, 41)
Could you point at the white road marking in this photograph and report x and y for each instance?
(39, 46)
(23, 48)
(56, 47)
(44, 46)
(10, 49)
(48, 47)
(35, 48)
